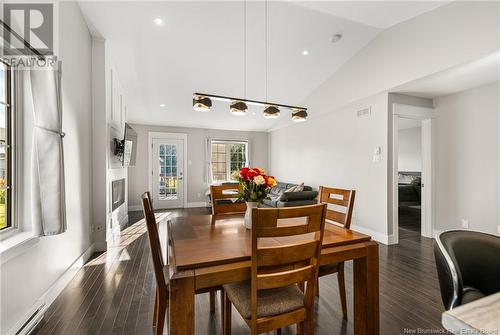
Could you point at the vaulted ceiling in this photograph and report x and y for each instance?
(199, 47)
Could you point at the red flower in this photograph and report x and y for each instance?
(244, 173)
(252, 173)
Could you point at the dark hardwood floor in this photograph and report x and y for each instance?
(114, 292)
(410, 221)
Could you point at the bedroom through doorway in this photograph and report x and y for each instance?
(409, 178)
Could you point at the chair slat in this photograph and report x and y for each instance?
(341, 197)
(286, 278)
(339, 202)
(279, 255)
(335, 216)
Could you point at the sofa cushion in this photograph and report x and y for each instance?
(295, 203)
(271, 201)
(303, 195)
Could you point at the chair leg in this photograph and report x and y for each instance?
(226, 327)
(162, 313)
(212, 301)
(300, 328)
(343, 300)
(317, 287)
(155, 311)
(222, 305)
(309, 324)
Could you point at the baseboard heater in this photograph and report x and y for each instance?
(32, 321)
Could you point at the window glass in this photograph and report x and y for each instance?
(227, 157)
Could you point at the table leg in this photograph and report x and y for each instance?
(366, 293)
(181, 307)
(373, 313)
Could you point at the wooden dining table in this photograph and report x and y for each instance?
(203, 255)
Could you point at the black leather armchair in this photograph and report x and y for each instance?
(468, 266)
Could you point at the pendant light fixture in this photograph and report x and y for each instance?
(271, 112)
(238, 108)
(201, 103)
(299, 115)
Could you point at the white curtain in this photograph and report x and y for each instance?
(48, 198)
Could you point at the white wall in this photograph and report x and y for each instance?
(27, 277)
(467, 159)
(410, 149)
(109, 116)
(416, 48)
(336, 150)
(196, 173)
(424, 45)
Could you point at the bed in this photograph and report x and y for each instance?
(409, 188)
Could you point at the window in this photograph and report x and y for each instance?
(5, 146)
(227, 157)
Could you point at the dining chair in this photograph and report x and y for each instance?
(343, 201)
(284, 255)
(160, 270)
(468, 266)
(222, 200)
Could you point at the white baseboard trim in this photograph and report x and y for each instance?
(196, 204)
(391, 239)
(379, 237)
(436, 233)
(49, 296)
(134, 208)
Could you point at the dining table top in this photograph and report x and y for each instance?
(196, 242)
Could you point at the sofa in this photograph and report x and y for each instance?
(279, 198)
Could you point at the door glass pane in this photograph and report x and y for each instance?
(168, 183)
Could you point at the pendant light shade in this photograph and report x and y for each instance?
(238, 108)
(201, 103)
(299, 115)
(271, 112)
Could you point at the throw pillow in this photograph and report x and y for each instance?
(296, 188)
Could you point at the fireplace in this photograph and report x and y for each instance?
(118, 193)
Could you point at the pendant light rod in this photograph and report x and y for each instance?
(248, 101)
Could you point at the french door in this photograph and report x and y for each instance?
(168, 173)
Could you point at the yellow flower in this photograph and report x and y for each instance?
(271, 182)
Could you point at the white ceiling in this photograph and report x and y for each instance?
(200, 49)
(457, 79)
(380, 14)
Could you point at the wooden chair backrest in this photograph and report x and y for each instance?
(286, 254)
(154, 241)
(339, 197)
(217, 193)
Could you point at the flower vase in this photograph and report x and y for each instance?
(248, 214)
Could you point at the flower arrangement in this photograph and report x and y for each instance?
(255, 184)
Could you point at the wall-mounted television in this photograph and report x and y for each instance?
(126, 149)
(129, 146)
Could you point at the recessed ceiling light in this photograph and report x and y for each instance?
(305, 52)
(335, 38)
(162, 105)
(158, 21)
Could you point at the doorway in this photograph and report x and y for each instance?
(412, 172)
(167, 174)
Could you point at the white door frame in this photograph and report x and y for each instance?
(426, 115)
(167, 136)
